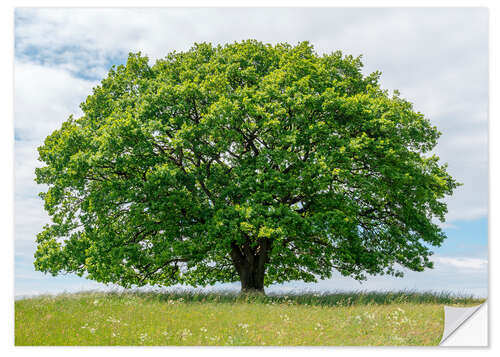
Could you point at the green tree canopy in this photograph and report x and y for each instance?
(246, 162)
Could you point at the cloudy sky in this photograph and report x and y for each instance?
(436, 58)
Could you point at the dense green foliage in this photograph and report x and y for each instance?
(246, 162)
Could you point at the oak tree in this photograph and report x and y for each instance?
(246, 162)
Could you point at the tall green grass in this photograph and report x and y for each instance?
(225, 318)
(338, 298)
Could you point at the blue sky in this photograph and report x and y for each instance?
(437, 58)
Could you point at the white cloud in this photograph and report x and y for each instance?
(44, 97)
(462, 262)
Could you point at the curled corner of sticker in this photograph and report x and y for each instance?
(454, 317)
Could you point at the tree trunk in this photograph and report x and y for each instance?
(251, 265)
(252, 280)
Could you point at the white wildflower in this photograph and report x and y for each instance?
(369, 316)
(186, 333)
(113, 320)
(285, 317)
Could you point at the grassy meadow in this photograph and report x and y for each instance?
(222, 319)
